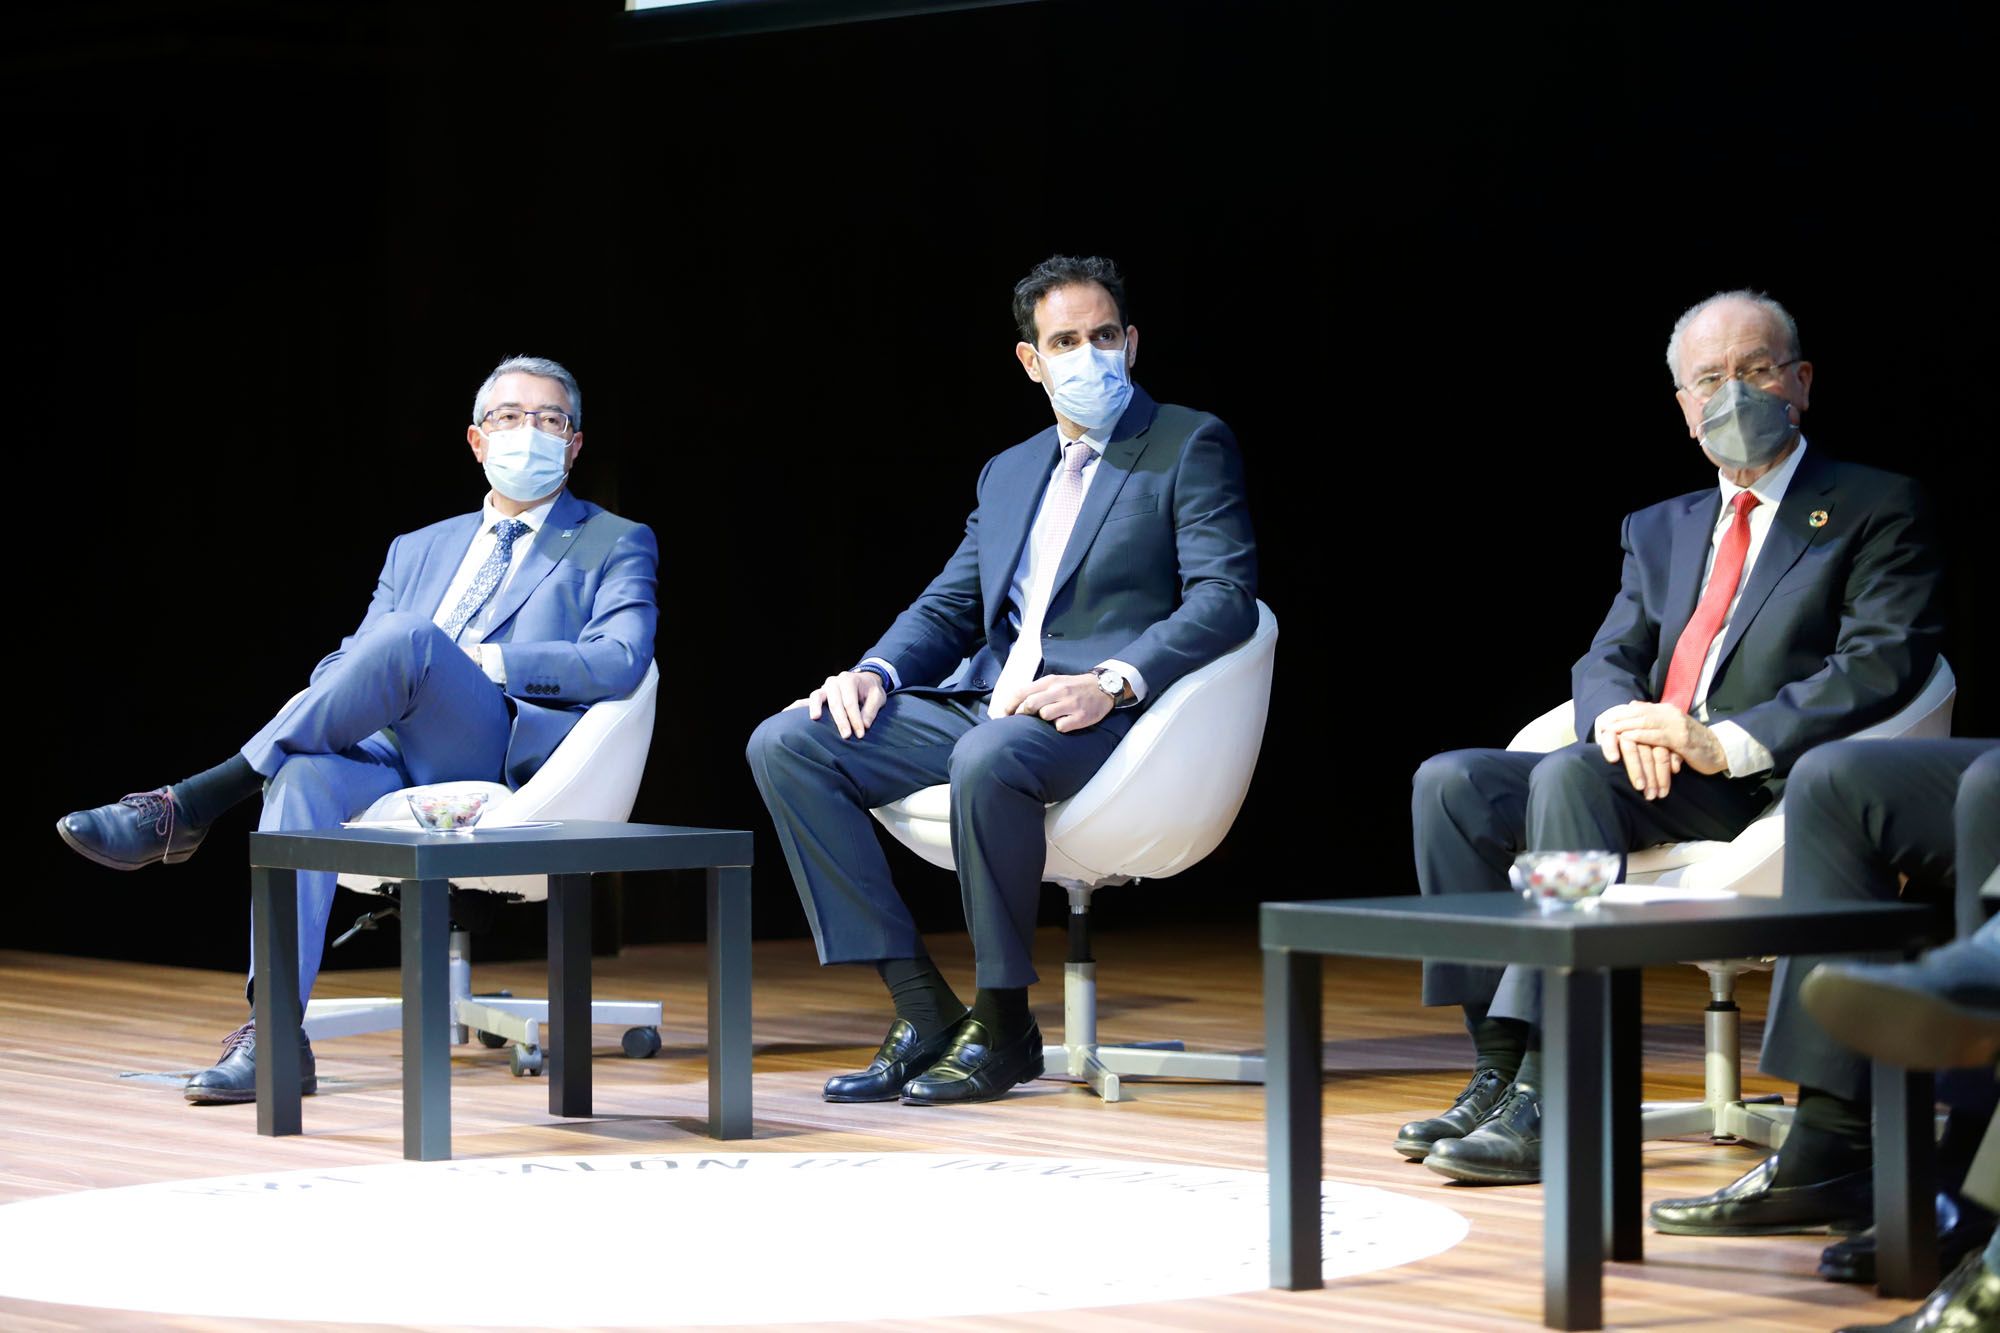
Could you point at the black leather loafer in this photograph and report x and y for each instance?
(1481, 1095)
(975, 1070)
(233, 1078)
(1751, 1205)
(1967, 1301)
(1959, 1233)
(900, 1058)
(1503, 1149)
(133, 831)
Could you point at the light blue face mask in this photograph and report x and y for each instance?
(1089, 385)
(525, 463)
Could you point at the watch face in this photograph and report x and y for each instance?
(1111, 683)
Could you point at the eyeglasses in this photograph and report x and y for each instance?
(1764, 374)
(511, 418)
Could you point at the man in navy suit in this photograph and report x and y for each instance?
(1106, 557)
(1790, 603)
(488, 636)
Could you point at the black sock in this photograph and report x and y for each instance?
(924, 999)
(1005, 1012)
(205, 796)
(1529, 1075)
(1498, 1043)
(1830, 1137)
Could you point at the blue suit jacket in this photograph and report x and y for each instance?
(575, 622)
(1837, 625)
(1160, 570)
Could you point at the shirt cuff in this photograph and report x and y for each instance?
(895, 681)
(1131, 674)
(1745, 753)
(493, 664)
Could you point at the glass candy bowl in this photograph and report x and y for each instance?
(1564, 881)
(447, 812)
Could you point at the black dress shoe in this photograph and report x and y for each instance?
(900, 1058)
(1481, 1095)
(233, 1078)
(1751, 1205)
(1959, 1233)
(1503, 1149)
(133, 831)
(1940, 1012)
(1967, 1301)
(973, 1069)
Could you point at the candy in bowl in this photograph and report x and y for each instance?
(1564, 881)
(447, 811)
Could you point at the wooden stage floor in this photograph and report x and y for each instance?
(70, 1027)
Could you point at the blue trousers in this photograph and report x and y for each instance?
(402, 707)
(1004, 772)
(1472, 810)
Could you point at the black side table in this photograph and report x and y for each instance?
(1590, 1043)
(569, 853)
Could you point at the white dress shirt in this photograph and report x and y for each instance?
(483, 542)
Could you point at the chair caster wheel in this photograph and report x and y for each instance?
(492, 1041)
(525, 1060)
(640, 1043)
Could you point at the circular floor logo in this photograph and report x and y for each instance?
(684, 1238)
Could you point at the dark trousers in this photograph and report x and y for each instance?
(1004, 773)
(1858, 816)
(1471, 811)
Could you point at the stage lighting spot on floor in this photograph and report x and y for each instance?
(684, 1238)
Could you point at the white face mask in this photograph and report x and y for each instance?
(1089, 385)
(524, 463)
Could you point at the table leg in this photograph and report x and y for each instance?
(1624, 1229)
(426, 913)
(1573, 1068)
(1906, 1262)
(274, 911)
(568, 1034)
(1292, 1111)
(729, 1002)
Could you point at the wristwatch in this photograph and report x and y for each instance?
(1111, 681)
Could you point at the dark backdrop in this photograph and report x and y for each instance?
(1424, 266)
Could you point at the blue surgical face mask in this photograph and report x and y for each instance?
(1089, 385)
(525, 463)
(1744, 426)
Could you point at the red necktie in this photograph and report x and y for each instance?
(1692, 649)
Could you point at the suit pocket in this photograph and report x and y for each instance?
(1138, 504)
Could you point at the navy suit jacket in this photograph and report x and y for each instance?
(1837, 625)
(1160, 570)
(574, 623)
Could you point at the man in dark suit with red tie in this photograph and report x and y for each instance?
(1108, 556)
(1791, 603)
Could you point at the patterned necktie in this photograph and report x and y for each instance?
(487, 581)
(1052, 530)
(1691, 651)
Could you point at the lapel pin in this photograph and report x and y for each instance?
(1817, 519)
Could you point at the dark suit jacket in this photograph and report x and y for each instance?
(575, 622)
(1160, 570)
(1838, 625)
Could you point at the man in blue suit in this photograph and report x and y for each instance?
(1792, 602)
(488, 636)
(1106, 557)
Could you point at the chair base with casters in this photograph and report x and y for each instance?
(1161, 802)
(593, 774)
(495, 1020)
(1750, 865)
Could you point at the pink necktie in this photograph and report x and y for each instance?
(1052, 529)
(1692, 648)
